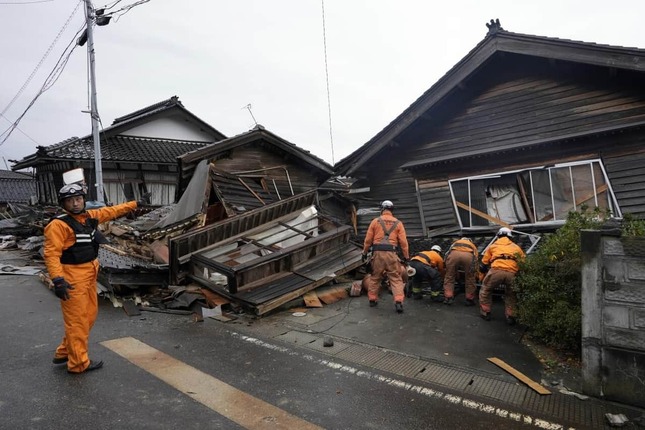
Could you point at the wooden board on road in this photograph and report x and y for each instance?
(519, 375)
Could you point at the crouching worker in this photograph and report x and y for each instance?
(500, 262)
(71, 251)
(429, 267)
(386, 238)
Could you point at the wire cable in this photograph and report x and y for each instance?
(49, 82)
(40, 63)
(331, 134)
(18, 128)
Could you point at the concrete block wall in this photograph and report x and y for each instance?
(613, 316)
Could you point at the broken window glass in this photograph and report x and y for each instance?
(532, 196)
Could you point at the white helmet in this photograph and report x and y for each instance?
(387, 204)
(436, 248)
(505, 231)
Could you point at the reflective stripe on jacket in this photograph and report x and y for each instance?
(59, 236)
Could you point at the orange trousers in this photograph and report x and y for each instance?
(493, 278)
(385, 263)
(79, 314)
(454, 261)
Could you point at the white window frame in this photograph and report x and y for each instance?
(613, 206)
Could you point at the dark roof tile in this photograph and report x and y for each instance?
(124, 148)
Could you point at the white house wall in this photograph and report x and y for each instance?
(170, 128)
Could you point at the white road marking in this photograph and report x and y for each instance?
(236, 405)
(429, 392)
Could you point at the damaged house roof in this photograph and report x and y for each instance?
(256, 153)
(515, 105)
(498, 44)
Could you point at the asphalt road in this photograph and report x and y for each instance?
(198, 375)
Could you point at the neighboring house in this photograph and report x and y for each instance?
(139, 153)
(521, 131)
(16, 187)
(259, 157)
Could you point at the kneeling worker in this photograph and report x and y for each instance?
(429, 267)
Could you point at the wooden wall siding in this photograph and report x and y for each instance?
(437, 204)
(535, 107)
(387, 181)
(254, 157)
(627, 177)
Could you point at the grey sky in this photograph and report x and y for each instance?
(218, 56)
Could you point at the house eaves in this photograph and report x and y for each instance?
(143, 115)
(498, 42)
(113, 149)
(489, 151)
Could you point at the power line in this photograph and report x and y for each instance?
(331, 134)
(49, 82)
(18, 128)
(40, 63)
(27, 2)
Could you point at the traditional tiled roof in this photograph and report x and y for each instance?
(122, 148)
(149, 110)
(16, 187)
(115, 147)
(8, 174)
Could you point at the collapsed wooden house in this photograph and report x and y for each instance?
(267, 256)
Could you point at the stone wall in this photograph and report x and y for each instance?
(613, 316)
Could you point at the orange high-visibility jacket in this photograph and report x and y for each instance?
(375, 234)
(503, 254)
(465, 245)
(60, 236)
(435, 260)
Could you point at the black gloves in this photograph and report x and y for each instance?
(483, 268)
(364, 258)
(60, 288)
(144, 200)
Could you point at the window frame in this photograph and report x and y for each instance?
(612, 203)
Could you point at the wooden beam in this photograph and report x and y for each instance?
(519, 375)
(483, 215)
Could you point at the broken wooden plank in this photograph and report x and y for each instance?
(331, 295)
(311, 300)
(519, 375)
(483, 215)
(214, 299)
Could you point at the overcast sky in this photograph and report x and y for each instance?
(219, 56)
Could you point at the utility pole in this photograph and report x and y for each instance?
(89, 15)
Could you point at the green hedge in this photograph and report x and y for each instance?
(549, 284)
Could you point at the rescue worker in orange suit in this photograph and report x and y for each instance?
(429, 267)
(461, 255)
(386, 238)
(71, 251)
(500, 262)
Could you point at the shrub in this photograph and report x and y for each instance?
(549, 284)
